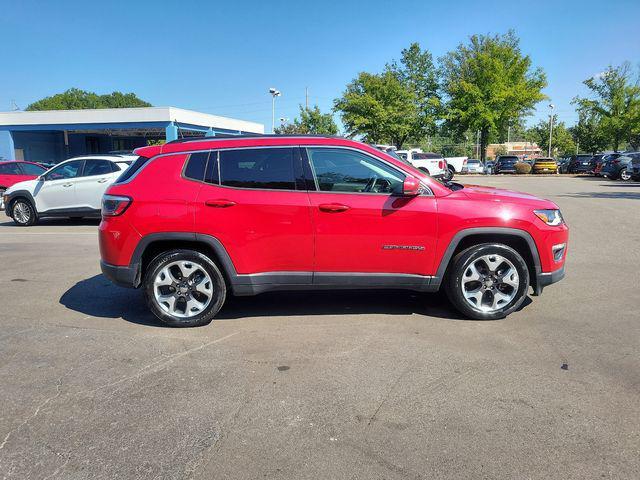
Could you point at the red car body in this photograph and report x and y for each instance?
(307, 238)
(15, 172)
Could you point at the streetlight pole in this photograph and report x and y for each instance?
(274, 93)
(551, 106)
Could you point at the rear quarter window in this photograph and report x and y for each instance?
(135, 166)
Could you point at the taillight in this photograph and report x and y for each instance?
(441, 164)
(464, 162)
(114, 205)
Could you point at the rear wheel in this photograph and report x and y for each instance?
(23, 213)
(448, 173)
(184, 288)
(625, 175)
(487, 281)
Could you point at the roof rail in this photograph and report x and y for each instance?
(225, 136)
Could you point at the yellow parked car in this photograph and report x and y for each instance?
(545, 165)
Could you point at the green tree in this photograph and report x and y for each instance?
(75, 99)
(417, 73)
(489, 84)
(614, 102)
(379, 108)
(562, 142)
(311, 121)
(588, 133)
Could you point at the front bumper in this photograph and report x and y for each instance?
(545, 279)
(123, 276)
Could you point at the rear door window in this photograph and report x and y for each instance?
(97, 167)
(263, 168)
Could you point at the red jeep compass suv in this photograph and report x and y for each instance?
(193, 219)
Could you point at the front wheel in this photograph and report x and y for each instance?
(23, 213)
(487, 281)
(184, 288)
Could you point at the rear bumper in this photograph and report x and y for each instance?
(123, 276)
(545, 279)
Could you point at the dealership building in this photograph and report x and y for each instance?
(50, 136)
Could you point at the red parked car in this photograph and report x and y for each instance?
(15, 172)
(193, 220)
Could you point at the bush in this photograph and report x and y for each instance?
(523, 168)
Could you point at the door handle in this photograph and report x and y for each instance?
(333, 207)
(220, 203)
(102, 180)
(67, 185)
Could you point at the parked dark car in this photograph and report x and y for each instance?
(580, 163)
(505, 164)
(635, 166)
(563, 165)
(617, 168)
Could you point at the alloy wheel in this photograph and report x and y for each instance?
(490, 283)
(625, 175)
(183, 289)
(21, 212)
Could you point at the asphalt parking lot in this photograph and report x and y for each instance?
(325, 385)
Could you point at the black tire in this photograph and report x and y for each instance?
(448, 173)
(219, 288)
(463, 260)
(23, 213)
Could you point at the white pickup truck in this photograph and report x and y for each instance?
(432, 164)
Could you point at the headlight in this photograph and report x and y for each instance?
(550, 217)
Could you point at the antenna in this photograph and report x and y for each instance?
(14, 106)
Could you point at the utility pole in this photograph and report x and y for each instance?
(550, 127)
(306, 97)
(478, 143)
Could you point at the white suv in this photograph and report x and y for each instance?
(73, 188)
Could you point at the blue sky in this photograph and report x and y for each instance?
(221, 57)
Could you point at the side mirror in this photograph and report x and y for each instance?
(411, 186)
(41, 178)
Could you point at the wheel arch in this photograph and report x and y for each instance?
(18, 194)
(154, 244)
(519, 240)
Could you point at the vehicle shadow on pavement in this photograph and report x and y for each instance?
(98, 297)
